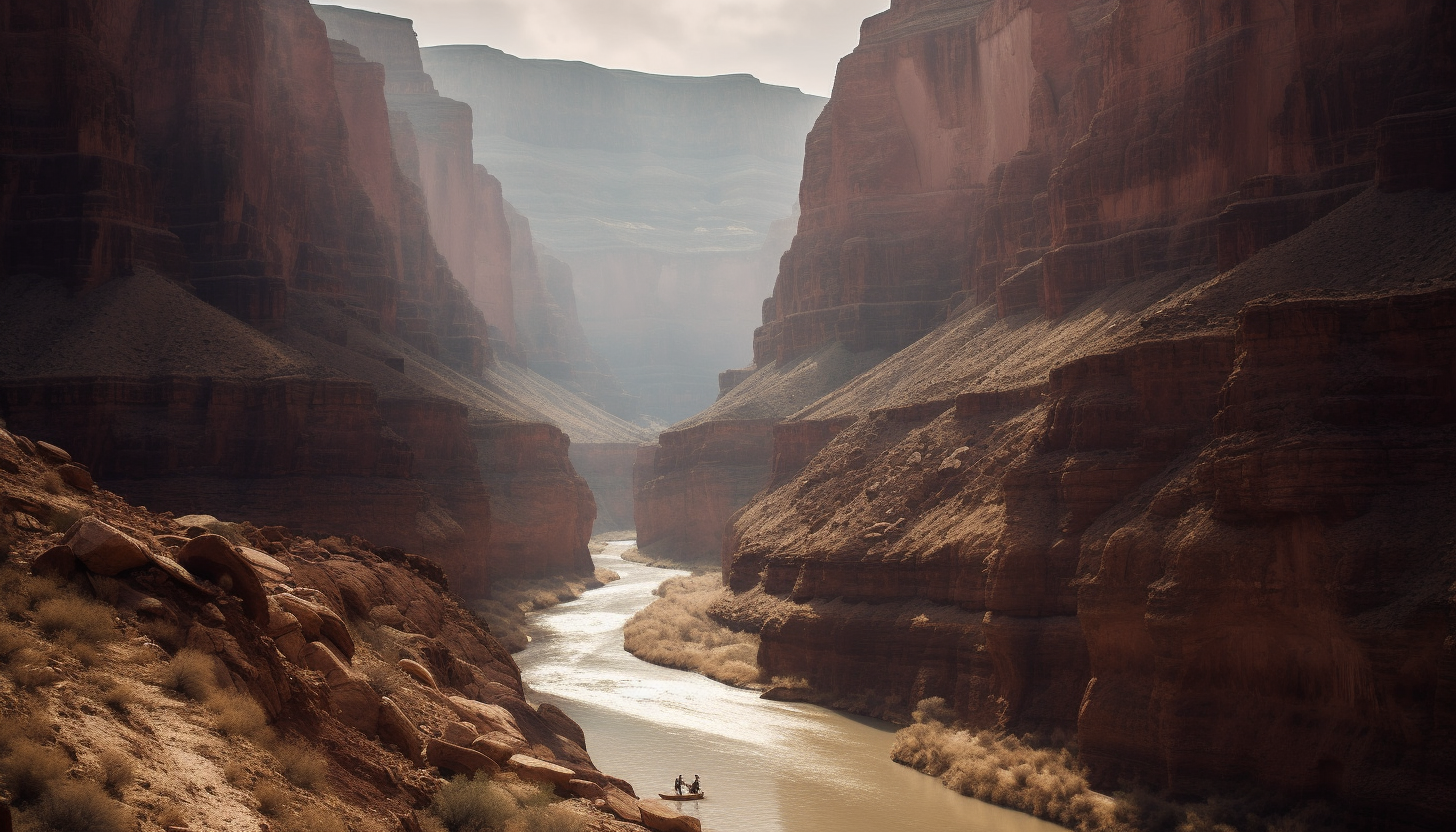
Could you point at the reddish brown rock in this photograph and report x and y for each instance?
(453, 760)
(105, 550)
(662, 816)
(396, 729)
(214, 559)
(540, 771)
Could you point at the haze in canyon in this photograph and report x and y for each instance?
(1055, 426)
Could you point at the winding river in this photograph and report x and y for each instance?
(766, 766)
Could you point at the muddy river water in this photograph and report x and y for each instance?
(766, 766)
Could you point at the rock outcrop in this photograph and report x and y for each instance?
(1153, 482)
(659, 193)
(260, 626)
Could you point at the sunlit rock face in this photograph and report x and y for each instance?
(659, 192)
(1173, 280)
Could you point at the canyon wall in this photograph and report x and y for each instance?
(1154, 481)
(168, 164)
(660, 193)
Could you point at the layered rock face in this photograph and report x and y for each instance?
(248, 163)
(1155, 482)
(484, 240)
(658, 192)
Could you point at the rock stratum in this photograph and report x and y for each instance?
(1157, 453)
(661, 193)
(223, 292)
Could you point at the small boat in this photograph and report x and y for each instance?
(698, 796)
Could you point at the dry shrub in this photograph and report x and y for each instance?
(165, 633)
(526, 794)
(676, 631)
(118, 695)
(386, 679)
(1049, 783)
(191, 673)
(302, 766)
(238, 715)
(52, 483)
(466, 805)
(171, 816)
(117, 770)
(236, 774)
(31, 670)
(13, 639)
(87, 621)
(273, 799)
(314, 819)
(28, 770)
(547, 819)
(80, 807)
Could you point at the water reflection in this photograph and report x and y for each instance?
(766, 766)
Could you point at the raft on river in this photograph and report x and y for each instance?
(698, 796)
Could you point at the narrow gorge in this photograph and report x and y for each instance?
(1067, 402)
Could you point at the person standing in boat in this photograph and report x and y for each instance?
(697, 786)
(679, 784)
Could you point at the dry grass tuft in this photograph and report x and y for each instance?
(466, 805)
(236, 774)
(314, 819)
(119, 695)
(302, 766)
(165, 633)
(273, 799)
(117, 770)
(28, 770)
(676, 631)
(171, 816)
(1049, 783)
(87, 621)
(548, 819)
(238, 715)
(191, 673)
(80, 807)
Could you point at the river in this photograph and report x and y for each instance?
(766, 766)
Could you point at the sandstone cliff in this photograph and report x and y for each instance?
(658, 192)
(1154, 482)
(163, 157)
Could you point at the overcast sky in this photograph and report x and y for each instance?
(795, 43)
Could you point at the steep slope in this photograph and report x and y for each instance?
(514, 280)
(218, 675)
(233, 153)
(1156, 483)
(658, 192)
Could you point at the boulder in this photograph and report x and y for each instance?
(453, 759)
(387, 615)
(103, 549)
(622, 804)
(77, 477)
(52, 454)
(211, 525)
(662, 816)
(586, 789)
(561, 724)
(356, 704)
(396, 729)
(419, 673)
(58, 563)
(540, 771)
(213, 558)
(494, 748)
(461, 733)
(266, 565)
(305, 612)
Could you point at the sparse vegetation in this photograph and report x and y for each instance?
(236, 774)
(314, 819)
(466, 805)
(191, 673)
(238, 715)
(75, 806)
(171, 816)
(119, 695)
(118, 771)
(1049, 783)
(676, 631)
(302, 766)
(87, 621)
(165, 633)
(29, 769)
(273, 799)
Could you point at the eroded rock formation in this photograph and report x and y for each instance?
(660, 194)
(1154, 481)
(167, 156)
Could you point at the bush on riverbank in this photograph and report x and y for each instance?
(505, 611)
(676, 631)
(1049, 783)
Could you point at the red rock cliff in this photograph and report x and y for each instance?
(1118, 493)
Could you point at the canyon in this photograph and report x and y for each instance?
(665, 196)
(224, 290)
(1104, 393)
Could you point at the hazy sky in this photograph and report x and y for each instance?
(796, 43)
